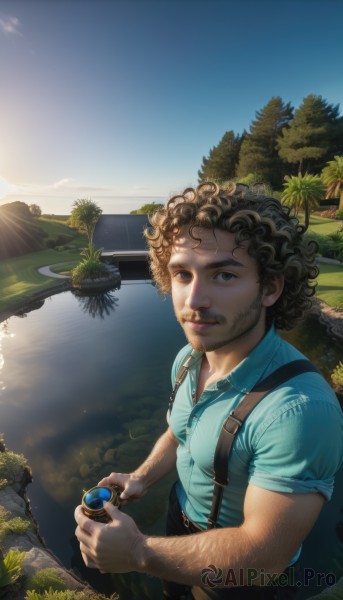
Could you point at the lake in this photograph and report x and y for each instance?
(84, 388)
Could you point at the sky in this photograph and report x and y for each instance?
(118, 101)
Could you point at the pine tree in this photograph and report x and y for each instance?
(314, 136)
(259, 152)
(222, 160)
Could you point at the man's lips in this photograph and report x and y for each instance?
(199, 325)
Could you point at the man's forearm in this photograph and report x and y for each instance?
(184, 559)
(161, 460)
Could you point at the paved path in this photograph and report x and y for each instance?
(48, 273)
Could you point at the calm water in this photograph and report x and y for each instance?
(84, 385)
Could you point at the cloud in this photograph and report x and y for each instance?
(61, 183)
(9, 25)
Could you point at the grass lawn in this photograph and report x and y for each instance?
(323, 226)
(330, 285)
(20, 278)
(19, 275)
(55, 227)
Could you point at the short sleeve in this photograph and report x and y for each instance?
(299, 449)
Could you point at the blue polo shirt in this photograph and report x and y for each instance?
(291, 442)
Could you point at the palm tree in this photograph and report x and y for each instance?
(332, 175)
(303, 192)
(84, 216)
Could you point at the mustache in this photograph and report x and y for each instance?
(200, 316)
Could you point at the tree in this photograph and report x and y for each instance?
(35, 210)
(19, 233)
(303, 192)
(259, 151)
(84, 216)
(222, 160)
(332, 176)
(147, 209)
(314, 136)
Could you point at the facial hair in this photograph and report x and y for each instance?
(244, 323)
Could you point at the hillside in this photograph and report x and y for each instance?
(19, 231)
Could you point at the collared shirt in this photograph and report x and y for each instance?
(291, 442)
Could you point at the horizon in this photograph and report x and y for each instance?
(122, 204)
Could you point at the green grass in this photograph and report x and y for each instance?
(55, 227)
(19, 276)
(323, 225)
(20, 279)
(330, 285)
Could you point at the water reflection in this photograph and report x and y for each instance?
(86, 381)
(97, 304)
(4, 333)
(34, 305)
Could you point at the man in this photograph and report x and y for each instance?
(237, 267)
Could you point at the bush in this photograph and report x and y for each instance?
(330, 246)
(67, 595)
(17, 525)
(339, 213)
(88, 269)
(46, 579)
(11, 567)
(337, 374)
(329, 213)
(12, 466)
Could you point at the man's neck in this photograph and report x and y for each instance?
(222, 361)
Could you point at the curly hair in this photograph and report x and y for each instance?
(274, 235)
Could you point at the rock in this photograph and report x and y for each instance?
(37, 559)
(14, 501)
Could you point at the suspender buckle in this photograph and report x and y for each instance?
(232, 424)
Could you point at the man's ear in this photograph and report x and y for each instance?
(273, 290)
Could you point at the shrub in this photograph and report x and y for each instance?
(67, 595)
(17, 525)
(330, 246)
(88, 269)
(337, 374)
(329, 213)
(11, 466)
(339, 213)
(46, 579)
(11, 567)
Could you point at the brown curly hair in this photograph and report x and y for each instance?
(274, 235)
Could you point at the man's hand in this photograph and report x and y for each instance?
(114, 547)
(132, 485)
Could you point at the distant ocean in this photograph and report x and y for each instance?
(57, 205)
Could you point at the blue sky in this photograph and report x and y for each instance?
(122, 98)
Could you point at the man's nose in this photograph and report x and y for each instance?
(198, 295)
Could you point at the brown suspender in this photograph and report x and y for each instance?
(235, 420)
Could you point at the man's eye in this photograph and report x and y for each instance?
(225, 276)
(181, 275)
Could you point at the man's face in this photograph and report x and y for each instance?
(216, 292)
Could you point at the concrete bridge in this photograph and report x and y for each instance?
(121, 237)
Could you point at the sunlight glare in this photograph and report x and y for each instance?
(4, 188)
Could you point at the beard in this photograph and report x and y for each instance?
(244, 323)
